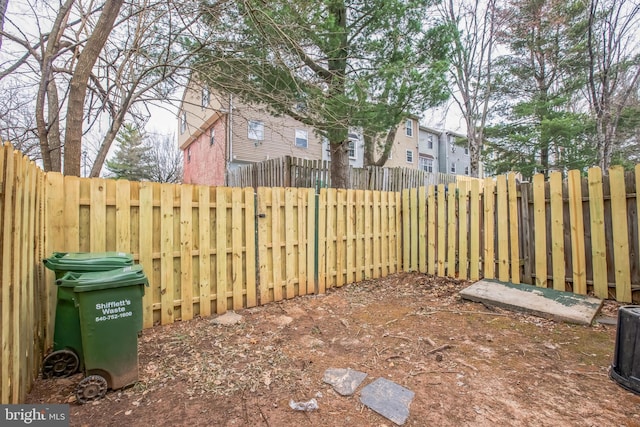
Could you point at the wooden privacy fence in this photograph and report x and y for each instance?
(196, 243)
(296, 172)
(23, 293)
(207, 250)
(579, 234)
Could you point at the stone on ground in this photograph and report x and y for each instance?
(227, 319)
(344, 381)
(388, 399)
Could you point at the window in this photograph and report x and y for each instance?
(353, 140)
(212, 137)
(453, 168)
(256, 130)
(466, 170)
(409, 156)
(408, 127)
(430, 142)
(466, 150)
(183, 122)
(453, 147)
(189, 155)
(205, 97)
(425, 164)
(302, 139)
(352, 149)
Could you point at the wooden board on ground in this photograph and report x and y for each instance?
(543, 302)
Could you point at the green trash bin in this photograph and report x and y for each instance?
(110, 310)
(66, 358)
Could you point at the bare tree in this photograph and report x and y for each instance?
(17, 124)
(98, 65)
(3, 11)
(166, 159)
(614, 68)
(475, 22)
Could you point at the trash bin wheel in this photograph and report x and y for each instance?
(93, 387)
(61, 363)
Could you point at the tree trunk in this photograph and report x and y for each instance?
(78, 86)
(370, 148)
(107, 141)
(474, 142)
(340, 176)
(3, 11)
(54, 138)
(48, 95)
(339, 132)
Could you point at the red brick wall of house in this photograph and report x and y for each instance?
(204, 163)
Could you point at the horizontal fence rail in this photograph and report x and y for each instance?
(207, 250)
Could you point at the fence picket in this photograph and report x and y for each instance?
(514, 243)
(463, 234)
(620, 234)
(145, 226)
(186, 252)
(277, 205)
(452, 228)
(289, 243)
(422, 229)
(474, 228)
(123, 215)
(341, 230)
(540, 230)
(322, 241)
(431, 229)
(97, 229)
(442, 227)
(368, 236)
(557, 231)
(489, 229)
(72, 213)
(385, 219)
(502, 213)
(598, 239)
(301, 219)
(251, 232)
(237, 255)
(166, 255)
(576, 222)
(406, 230)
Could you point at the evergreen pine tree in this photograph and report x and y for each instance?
(131, 159)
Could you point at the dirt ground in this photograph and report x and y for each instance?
(468, 365)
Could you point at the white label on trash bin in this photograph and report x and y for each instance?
(113, 310)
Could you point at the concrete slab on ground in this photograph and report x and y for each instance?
(388, 399)
(543, 302)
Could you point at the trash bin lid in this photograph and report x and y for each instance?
(97, 280)
(87, 261)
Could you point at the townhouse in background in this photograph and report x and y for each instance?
(219, 132)
(444, 152)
